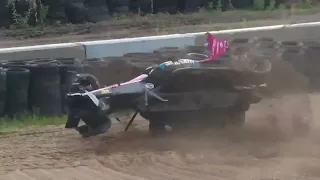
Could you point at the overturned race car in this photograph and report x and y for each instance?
(181, 94)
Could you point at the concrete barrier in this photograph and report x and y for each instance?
(65, 50)
(294, 32)
(118, 47)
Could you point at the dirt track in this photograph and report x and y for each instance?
(258, 151)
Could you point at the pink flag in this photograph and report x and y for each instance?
(216, 47)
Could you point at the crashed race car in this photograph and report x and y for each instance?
(183, 94)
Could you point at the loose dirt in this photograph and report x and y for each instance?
(264, 149)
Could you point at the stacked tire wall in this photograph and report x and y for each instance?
(79, 11)
(36, 86)
(40, 86)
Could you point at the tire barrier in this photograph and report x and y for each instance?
(312, 52)
(141, 61)
(97, 10)
(44, 91)
(118, 70)
(18, 64)
(195, 49)
(68, 67)
(267, 47)
(169, 53)
(97, 67)
(17, 91)
(3, 90)
(139, 67)
(293, 58)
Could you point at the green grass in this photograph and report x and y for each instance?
(29, 120)
(11, 124)
(25, 121)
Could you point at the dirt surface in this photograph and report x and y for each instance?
(262, 150)
(147, 27)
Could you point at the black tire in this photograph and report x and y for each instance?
(197, 56)
(57, 13)
(251, 63)
(262, 66)
(68, 68)
(98, 67)
(17, 91)
(82, 129)
(168, 49)
(140, 67)
(70, 64)
(100, 125)
(97, 14)
(191, 6)
(72, 122)
(84, 81)
(169, 53)
(121, 67)
(140, 6)
(140, 55)
(122, 9)
(119, 3)
(95, 3)
(15, 64)
(310, 63)
(45, 87)
(3, 90)
(5, 15)
(76, 13)
(97, 10)
(196, 49)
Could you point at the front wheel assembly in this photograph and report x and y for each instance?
(84, 82)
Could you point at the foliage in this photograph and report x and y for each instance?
(33, 17)
(258, 4)
(272, 5)
(305, 4)
(219, 5)
(37, 16)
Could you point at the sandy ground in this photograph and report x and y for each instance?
(262, 150)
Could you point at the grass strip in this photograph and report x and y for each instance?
(11, 124)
